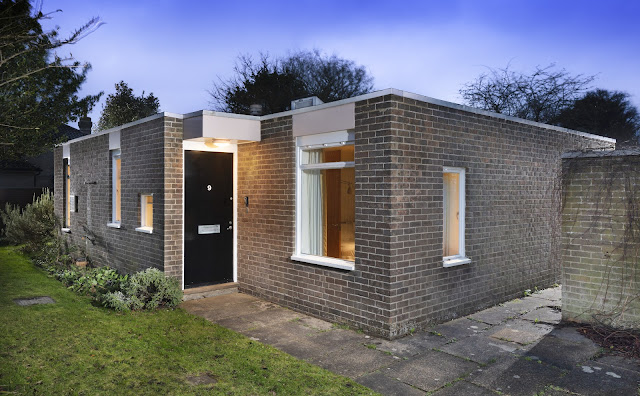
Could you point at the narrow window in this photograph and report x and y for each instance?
(453, 219)
(326, 204)
(67, 192)
(116, 192)
(146, 213)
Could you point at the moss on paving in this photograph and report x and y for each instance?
(74, 347)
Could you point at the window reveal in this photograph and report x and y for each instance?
(328, 202)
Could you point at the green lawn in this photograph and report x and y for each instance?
(74, 347)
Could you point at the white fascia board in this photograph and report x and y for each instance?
(114, 140)
(65, 150)
(438, 102)
(128, 125)
(216, 126)
(337, 118)
(469, 109)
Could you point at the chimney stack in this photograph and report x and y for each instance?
(85, 124)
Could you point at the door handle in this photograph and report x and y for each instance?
(229, 228)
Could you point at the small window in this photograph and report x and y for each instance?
(325, 232)
(146, 213)
(453, 219)
(116, 190)
(67, 193)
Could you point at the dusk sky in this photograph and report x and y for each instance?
(176, 49)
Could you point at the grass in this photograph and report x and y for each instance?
(74, 347)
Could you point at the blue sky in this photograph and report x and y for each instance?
(176, 49)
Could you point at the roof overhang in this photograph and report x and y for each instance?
(210, 125)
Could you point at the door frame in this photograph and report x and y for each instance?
(231, 148)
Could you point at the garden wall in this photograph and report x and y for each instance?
(601, 238)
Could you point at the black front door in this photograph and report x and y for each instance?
(208, 218)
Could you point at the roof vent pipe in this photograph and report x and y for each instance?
(255, 109)
(306, 102)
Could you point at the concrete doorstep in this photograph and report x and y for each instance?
(516, 348)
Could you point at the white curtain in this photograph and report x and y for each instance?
(312, 205)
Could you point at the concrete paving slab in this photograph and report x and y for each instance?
(271, 317)
(547, 301)
(227, 306)
(561, 353)
(569, 333)
(516, 376)
(544, 315)
(354, 360)
(388, 386)
(459, 328)
(520, 331)
(619, 362)
(464, 388)
(412, 345)
(524, 305)
(337, 338)
(601, 380)
(431, 370)
(278, 335)
(315, 323)
(480, 348)
(552, 294)
(494, 315)
(217, 301)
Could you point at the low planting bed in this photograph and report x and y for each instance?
(77, 346)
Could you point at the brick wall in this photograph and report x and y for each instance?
(266, 237)
(143, 171)
(173, 174)
(600, 239)
(399, 283)
(512, 208)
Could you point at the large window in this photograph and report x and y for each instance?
(326, 201)
(67, 192)
(116, 192)
(453, 219)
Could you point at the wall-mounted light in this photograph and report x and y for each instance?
(217, 143)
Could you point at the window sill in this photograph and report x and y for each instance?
(66, 230)
(455, 261)
(146, 230)
(324, 261)
(113, 225)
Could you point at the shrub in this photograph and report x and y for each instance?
(35, 225)
(53, 256)
(97, 281)
(116, 300)
(148, 289)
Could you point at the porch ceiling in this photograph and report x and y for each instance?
(209, 125)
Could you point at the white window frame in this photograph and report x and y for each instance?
(115, 154)
(143, 215)
(460, 258)
(332, 139)
(66, 174)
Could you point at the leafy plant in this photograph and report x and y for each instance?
(148, 289)
(98, 281)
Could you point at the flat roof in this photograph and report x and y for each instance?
(376, 94)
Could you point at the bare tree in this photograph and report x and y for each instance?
(539, 96)
(275, 82)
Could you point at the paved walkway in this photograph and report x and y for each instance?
(516, 348)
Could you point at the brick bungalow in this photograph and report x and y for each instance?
(387, 211)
